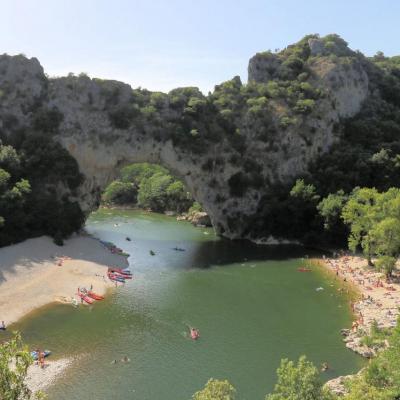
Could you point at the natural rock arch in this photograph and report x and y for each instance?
(228, 157)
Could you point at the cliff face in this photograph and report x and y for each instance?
(228, 154)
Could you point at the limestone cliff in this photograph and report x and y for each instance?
(229, 147)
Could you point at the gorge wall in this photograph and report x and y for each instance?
(229, 147)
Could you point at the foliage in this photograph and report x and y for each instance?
(196, 207)
(118, 192)
(31, 174)
(15, 359)
(374, 221)
(298, 382)
(386, 264)
(377, 337)
(361, 214)
(148, 186)
(305, 192)
(381, 378)
(330, 208)
(216, 390)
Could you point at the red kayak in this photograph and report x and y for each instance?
(85, 298)
(95, 296)
(115, 277)
(304, 269)
(119, 272)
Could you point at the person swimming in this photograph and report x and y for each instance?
(3, 326)
(194, 333)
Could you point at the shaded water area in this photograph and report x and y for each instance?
(249, 302)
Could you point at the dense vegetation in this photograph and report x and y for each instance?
(36, 177)
(240, 118)
(148, 186)
(368, 155)
(380, 380)
(240, 115)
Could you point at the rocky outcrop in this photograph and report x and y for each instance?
(104, 126)
(197, 218)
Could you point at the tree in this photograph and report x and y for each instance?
(330, 208)
(15, 359)
(361, 215)
(298, 382)
(385, 236)
(120, 193)
(216, 390)
(303, 191)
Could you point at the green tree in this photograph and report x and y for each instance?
(15, 359)
(298, 382)
(330, 208)
(303, 191)
(216, 390)
(361, 215)
(120, 193)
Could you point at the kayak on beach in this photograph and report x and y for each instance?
(94, 295)
(115, 277)
(124, 273)
(85, 297)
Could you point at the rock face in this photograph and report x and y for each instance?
(93, 130)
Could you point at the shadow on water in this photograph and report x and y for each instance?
(223, 252)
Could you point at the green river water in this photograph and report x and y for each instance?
(249, 302)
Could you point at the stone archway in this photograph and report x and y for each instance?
(228, 158)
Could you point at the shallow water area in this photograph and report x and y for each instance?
(249, 302)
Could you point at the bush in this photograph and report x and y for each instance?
(120, 193)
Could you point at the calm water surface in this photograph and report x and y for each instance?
(249, 302)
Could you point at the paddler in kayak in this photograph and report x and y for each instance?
(194, 333)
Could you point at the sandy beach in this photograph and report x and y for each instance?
(378, 301)
(36, 272)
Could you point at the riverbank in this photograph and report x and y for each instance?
(374, 301)
(36, 272)
(40, 378)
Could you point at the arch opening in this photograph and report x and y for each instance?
(152, 187)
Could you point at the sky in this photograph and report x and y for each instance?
(160, 45)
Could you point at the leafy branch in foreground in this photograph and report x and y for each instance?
(15, 360)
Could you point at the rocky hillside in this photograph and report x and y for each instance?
(239, 150)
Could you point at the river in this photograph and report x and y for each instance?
(249, 302)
